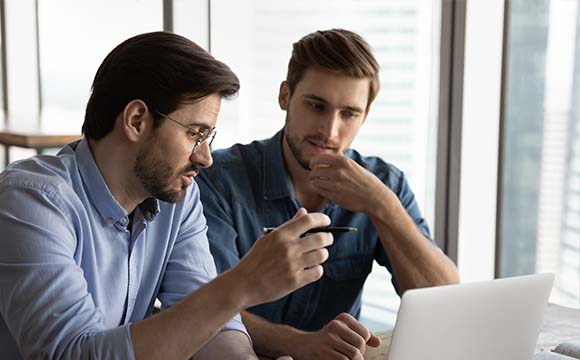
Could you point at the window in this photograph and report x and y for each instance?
(401, 125)
(74, 38)
(540, 207)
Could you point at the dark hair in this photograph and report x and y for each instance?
(163, 69)
(336, 50)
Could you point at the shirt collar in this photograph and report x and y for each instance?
(149, 208)
(105, 203)
(276, 180)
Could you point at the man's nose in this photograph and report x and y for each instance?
(202, 155)
(329, 125)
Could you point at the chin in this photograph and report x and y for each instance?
(172, 196)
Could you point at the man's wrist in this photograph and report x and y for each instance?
(238, 292)
(381, 203)
(295, 340)
(275, 340)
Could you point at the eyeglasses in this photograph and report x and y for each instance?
(197, 137)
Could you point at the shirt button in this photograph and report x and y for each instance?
(123, 220)
(110, 221)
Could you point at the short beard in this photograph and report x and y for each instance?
(294, 145)
(155, 175)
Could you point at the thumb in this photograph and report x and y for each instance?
(301, 212)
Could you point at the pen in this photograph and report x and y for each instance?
(330, 229)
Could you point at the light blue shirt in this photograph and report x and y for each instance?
(73, 277)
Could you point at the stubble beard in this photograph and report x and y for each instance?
(155, 175)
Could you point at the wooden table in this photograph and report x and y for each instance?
(33, 139)
(560, 324)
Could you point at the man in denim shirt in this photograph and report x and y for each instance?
(332, 80)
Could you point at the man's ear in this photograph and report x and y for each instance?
(136, 120)
(284, 95)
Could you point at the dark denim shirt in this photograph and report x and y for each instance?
(248, 188)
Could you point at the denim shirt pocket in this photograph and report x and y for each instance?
(341, 286)
(349, 267)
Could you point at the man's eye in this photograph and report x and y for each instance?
(349, 114)
(317, 107)
(192, 134)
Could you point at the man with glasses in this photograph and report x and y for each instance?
(93, 236)
(331, 82)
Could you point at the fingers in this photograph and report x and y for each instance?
(354, 335)
(298, 225)
(315, 257)
(315, 241)
(326, 160)
(325, 187)
(355, 325)
(322, 173)
(346, 341)
(302, 211)
(311, 274)
(374, 341)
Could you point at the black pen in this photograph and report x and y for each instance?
(330, 229)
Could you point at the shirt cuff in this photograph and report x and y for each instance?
(236, 324)
(116, 343)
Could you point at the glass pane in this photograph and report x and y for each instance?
(401, 125)
(75, 37)
(2, 114)
(190, 19)
(540, 209)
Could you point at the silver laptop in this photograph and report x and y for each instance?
(491, 320)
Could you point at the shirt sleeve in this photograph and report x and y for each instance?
(397, 182)
(222, 233)
(44, 298)
(407, 198)
(191, 264)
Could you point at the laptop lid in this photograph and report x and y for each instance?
(498, 319)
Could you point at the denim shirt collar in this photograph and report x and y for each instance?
(105, 203)
(276, 181)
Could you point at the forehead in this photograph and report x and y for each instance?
(203, 112)
(340, 90)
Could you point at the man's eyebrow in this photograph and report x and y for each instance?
(324, 101)
(198, 124)
(354, 109)
(315, 97)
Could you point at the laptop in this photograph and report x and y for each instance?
(491, 320)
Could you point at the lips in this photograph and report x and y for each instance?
(187, 180)
(322, 146)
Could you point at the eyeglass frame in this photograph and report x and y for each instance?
(199, 136)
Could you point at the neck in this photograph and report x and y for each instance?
(305, 192)
(117, 175)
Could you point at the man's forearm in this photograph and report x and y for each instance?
(270, 339)
(232, 345)
(182, 330)
(416, 262)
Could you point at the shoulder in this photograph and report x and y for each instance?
(50, 175)
(387, 172)
(232, 165)
(238, 155)
(41, 191)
